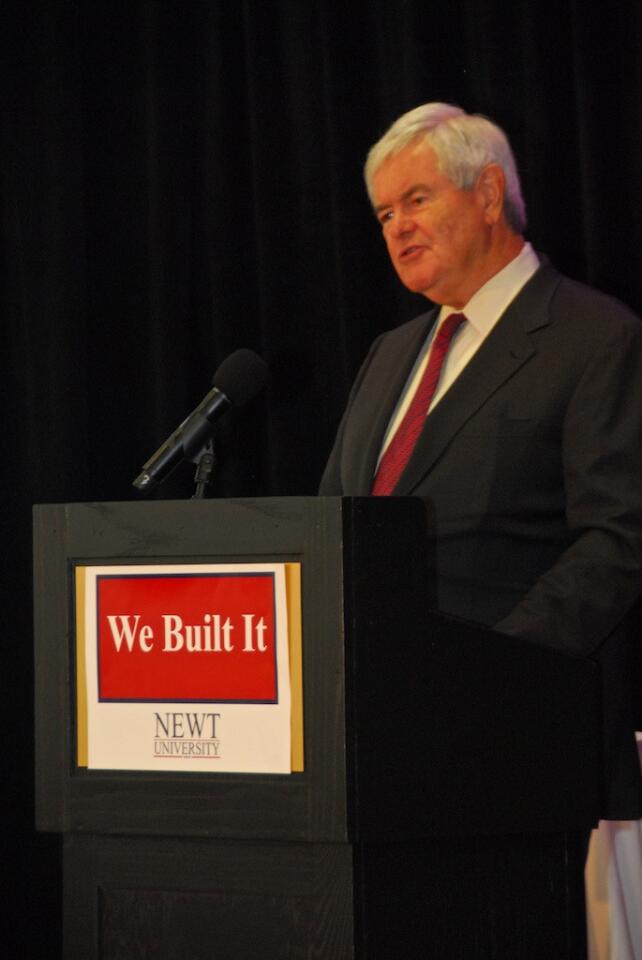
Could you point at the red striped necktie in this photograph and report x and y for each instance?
(399, 450)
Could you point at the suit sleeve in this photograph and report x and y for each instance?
(333, 482)
(577, 603)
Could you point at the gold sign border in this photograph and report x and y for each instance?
(82, 747)
(295, 643)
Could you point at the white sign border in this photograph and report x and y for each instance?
(248, 737)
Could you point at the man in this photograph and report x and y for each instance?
(530, 455)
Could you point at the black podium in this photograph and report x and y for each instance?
(447, 768)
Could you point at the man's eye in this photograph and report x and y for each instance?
(385, 217)
(419, 199)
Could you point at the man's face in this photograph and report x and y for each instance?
(437, 235)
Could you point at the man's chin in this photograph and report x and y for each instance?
(420, 285)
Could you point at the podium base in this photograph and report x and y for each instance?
(479, 898)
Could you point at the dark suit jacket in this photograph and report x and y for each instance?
(531, 471)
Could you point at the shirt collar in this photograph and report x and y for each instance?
(487, 305)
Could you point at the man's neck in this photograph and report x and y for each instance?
(504, 247)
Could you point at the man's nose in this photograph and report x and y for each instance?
(402, 224)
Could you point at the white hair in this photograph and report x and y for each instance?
(463, 143)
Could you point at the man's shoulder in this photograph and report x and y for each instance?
(574, 299)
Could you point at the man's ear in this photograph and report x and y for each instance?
(489, 188)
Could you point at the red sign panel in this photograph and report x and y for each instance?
(186, 637)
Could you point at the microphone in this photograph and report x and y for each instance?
(237, 381)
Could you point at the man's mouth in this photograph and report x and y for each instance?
(409, 252)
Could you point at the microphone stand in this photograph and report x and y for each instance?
(204, 461)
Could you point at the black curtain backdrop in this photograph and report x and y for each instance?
(180, 179)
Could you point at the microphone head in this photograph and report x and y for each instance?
(241, 376)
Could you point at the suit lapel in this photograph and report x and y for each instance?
(507, 348)
(402, 347)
